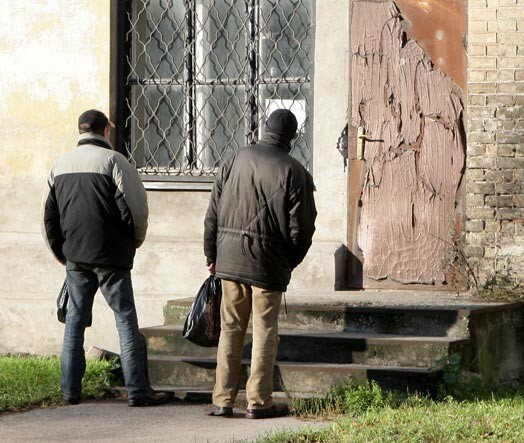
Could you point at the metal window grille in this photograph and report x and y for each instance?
(203, 75)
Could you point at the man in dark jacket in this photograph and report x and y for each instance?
(258, 228)
(95, 216)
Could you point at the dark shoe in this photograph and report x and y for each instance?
(277, 410)
(220, 411)
(71, 401)
(152, 398)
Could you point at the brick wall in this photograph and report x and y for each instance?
(495, 134)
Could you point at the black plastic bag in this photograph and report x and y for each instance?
(202, 325)
(61, 305)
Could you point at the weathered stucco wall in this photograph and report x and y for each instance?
(331, 92)
(495, 200)
(54, 64)
(326, 260)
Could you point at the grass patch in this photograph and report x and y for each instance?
(464, 410)
(501, 294)
(498, 420)
(349, 398)
(35, 381)
(502, 287)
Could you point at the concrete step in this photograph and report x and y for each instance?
(293, 377)
(393, 337)
(323, 347)
(440, 321)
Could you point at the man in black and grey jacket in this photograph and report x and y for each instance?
(95, 216)
(258, 228)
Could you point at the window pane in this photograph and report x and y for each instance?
(157, 128)
(220, 40)
(220, 123)
(285, 38)
(158, 31)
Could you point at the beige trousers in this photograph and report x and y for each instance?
(238, 300)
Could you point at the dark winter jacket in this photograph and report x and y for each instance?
(261, 215)
(95, 206)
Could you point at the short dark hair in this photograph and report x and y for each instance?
(93, 121)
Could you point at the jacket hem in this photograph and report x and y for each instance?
(252, 282)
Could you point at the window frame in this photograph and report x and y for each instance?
(118, 90)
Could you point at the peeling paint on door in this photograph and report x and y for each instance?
(414, 154)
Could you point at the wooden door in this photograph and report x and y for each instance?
(406, 174)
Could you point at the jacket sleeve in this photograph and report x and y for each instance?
(302, 215)
(51, 230)
(131, 198)
(211, 219)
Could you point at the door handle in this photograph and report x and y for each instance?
(361, 137)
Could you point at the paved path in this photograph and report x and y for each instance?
(113, 421)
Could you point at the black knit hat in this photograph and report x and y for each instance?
(282, 122)
(93, 121)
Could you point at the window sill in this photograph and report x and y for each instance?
(177, 184)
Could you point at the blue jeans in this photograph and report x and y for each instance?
(115, 284)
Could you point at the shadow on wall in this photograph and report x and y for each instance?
(344, 260)
(354, 271)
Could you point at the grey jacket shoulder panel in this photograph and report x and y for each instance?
(130, 186)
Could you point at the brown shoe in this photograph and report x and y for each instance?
(220, 411)
(277, 410)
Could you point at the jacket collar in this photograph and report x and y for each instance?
(271, 138)
(90, 138)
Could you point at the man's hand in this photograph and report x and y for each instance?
(211, 268)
